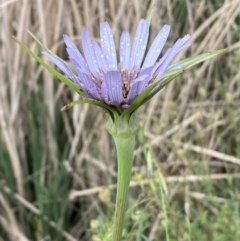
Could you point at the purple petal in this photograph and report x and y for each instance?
(104, 91)
(70, 43)
(62, 66)
(144, 83)
(99, 55)
(157, 46)
(170, 54)
(125, 50)
(185, 46)
(74, 53)
(114, 87)
(147, 71)
(89, 53)
(140, 44)
(89, 86)
(108, 46)
(138, 86)
(166, 54)
(185, 38)
(77, 64)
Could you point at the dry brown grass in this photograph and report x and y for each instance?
(190, 111)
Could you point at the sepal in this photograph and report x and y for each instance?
(124, 126)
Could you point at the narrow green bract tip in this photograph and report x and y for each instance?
(150, 13)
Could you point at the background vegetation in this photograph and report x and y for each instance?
(58, 169)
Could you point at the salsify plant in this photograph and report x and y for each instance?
(120, 87)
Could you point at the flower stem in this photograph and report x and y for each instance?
(125, 149)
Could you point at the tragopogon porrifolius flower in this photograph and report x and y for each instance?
(113, 82)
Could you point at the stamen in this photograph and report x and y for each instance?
(126, 87)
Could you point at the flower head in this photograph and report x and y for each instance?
(118, 83)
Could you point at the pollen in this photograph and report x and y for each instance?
(126, 87)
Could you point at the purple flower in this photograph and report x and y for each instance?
(117, 84)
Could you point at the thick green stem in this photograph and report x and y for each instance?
(125, 148)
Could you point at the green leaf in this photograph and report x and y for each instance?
(168, 76)
(109, 110)
(49, 51)
(40, 43)
(137, 102)
(189, 62)
(163, 84)
(150, 13)
(61, 77)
